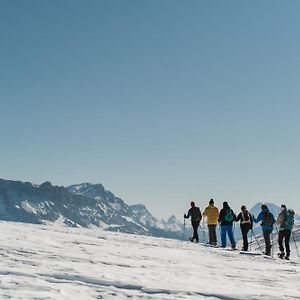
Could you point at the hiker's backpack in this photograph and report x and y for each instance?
(229, 215)
(267, 219)
(197, 214)
(246, 217)
(289, 220)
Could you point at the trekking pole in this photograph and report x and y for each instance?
(277, 235)
(272, 249)
(203, 237)
(251, 241)
(183, 234)
(295, 243)
(233, 228)
(203, 231)
(220, 235)
(257, 241)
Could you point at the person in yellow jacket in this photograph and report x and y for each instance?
(211, 212)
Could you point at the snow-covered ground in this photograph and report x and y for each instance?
(54, 262)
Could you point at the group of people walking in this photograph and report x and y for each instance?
(226, 218)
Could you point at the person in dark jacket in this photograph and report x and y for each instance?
(246, 223)
(285, 220)
(196, 216)
(267, 221)
(226, 219)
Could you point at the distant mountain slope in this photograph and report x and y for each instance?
(275, 209)
(114, 209)
(80, 205)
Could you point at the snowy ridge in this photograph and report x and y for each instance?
(50, 262)
(81, 205)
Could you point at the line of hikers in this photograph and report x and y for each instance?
(226, 218)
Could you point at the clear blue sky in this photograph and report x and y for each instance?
(163, 102)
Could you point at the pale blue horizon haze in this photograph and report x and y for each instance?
(162, 102)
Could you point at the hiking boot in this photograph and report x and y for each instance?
(287, 257)
(281, 255)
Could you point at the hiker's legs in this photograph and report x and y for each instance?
(230, 235)
(212, 234)
(195, 225)
(245, 231)
(280, 240)
(223, 235)
(267, 234)
(287, 242)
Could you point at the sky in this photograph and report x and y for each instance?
(163, 102)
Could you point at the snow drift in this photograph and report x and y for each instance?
(55, 262)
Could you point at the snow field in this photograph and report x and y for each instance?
(55, 262)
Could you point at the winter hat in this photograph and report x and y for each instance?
(243, 207)
(283, 206)
(264, 206)
(211, 201)
(192, 203)
(225, 204)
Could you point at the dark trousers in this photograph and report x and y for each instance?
(245, 230)
(267, 238)
(212, 234)
(195, 225)
(286, 235)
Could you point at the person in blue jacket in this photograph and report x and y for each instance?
(226, 219)
(267, 221)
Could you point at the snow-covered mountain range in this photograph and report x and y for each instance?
(80, 205)
(86, 205)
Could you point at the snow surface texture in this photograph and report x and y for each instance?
(55, 262)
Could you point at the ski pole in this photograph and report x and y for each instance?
(203, 231)
(295, 243)
(183, 234)
(257, 241)
(272, 245)
(220, 234)
(233, 229)
(203, 237)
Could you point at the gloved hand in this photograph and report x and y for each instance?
(185, 216)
